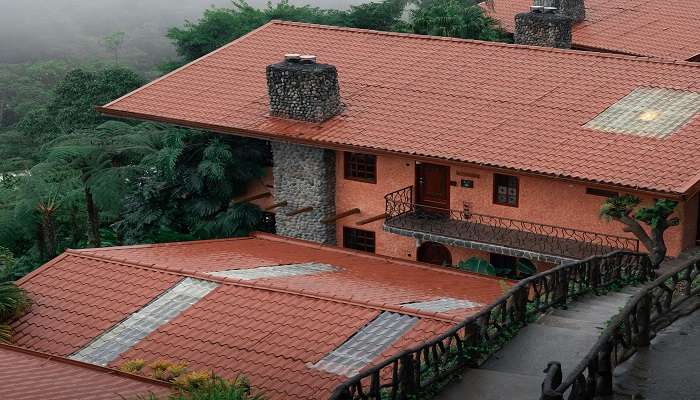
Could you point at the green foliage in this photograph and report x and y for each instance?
(13, 303)
(455, 18)
(616, 207)
(478, 265)
(659, 212)
(113, 44)
(189, 185)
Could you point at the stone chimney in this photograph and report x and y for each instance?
(544, 25)
(302, 89)
(575, 9)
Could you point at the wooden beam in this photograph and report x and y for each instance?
(276, 205)
(371, 219)
(336, 217)
(299, 211)
(254, 197)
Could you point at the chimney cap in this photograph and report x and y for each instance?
(307, 59)
(292, 57)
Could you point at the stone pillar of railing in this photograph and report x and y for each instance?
(563, 285)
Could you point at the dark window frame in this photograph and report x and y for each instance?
(352, 239)
(357, 164)
(496, 185)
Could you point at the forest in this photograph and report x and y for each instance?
(71, 178)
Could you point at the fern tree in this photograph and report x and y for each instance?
(106, 160)
(657, 217)
(189, 186)
(13, 300)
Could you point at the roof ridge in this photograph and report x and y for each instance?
(582, 53)
(94, 367)
(233, 282)
(165, 244)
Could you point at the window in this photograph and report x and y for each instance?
(358, 239)
(601, 192)
(505, 190)
(361, 167)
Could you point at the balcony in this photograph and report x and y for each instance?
(500, 235)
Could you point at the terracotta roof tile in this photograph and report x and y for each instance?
(28, 375)
(489, 104)
(272, 330)
(667, 29)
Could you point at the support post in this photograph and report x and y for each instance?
(644, 321)
(604, 378)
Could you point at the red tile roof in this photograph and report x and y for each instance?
(488, 104)
(29, 375)
(271, 330)
(663, 29)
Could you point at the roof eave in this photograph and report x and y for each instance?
(106, 110)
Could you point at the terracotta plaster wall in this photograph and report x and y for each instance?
(542, 200)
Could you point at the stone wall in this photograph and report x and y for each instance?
(304, 176)
(307, 92)
(543, 29)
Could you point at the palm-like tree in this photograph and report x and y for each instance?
(105, 160)
(13, 300)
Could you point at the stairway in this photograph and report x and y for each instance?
(564, 335)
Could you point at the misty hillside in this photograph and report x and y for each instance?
(33, 30)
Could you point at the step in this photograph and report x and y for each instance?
(485, 384)
(595, 316)
(570, 323)
(529, 352)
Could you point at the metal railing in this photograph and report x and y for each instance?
(403, 212)
(646, 313)
(412, 371)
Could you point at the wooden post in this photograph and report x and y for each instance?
(253, 197)
(299, 211)
(644, 321)
(563, 286)
(371, 219)
(520, 304)
(604, 378)
(333, 218)
(406, 377)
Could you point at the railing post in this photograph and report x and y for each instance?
(644, 321)
(604, 373)
(563, 286)
(520, 304)
(406, 377)
(552, 380)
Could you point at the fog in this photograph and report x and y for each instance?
(32, 30)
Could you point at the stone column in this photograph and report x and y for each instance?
(304, 177)
(543, 29)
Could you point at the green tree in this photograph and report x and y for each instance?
(455, 18)
(13, 300)
(105, 159)
(113, 44)
(657, 217)
(189, 186)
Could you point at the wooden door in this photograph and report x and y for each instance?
(433, 185)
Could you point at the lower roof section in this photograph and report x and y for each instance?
(272, 328)
(29, 375)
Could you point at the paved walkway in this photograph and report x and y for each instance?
(516, 371)
(668, 369)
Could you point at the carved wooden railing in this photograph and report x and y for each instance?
(645, 314)
(413, 371)
(403, 212)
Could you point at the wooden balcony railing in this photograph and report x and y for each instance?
(415, 370)
(402, 212)
(646, 313)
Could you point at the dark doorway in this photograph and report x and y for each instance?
(433, 185)
(434, 253)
